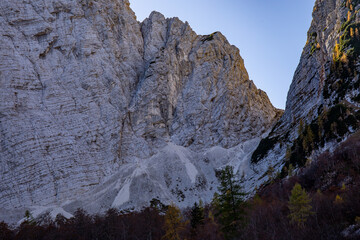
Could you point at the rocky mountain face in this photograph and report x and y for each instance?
(98, 110)
(323, 102)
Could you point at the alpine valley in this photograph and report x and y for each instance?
(99, 111)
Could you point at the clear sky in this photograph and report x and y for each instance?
(269, 33)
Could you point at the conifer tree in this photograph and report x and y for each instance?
(301, 127)
(291, 170)
(174, 224)
(197, 217)
(288, 153)
(229, 203)
(271, 173)
(299, 206)
(28, 218)
(308, 139)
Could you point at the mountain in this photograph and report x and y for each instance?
(322, 108)
(98, 110)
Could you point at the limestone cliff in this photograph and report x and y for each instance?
(323, 102)
(99, 110)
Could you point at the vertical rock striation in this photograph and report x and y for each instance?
(68, 69)
(92, 100)
(323, 101)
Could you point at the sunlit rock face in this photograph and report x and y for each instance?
(306, 90)
(324, 95)
(98, 110)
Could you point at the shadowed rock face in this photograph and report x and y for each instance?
(324, 94)
(88, 95)
(316, 69)
(306, 90)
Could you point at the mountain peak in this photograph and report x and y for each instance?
(98, 109)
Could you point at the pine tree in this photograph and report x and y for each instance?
(291, 170)
(158, 205)
(174, 224)
(288, 153)
(197, 216)
(28, 218)
(270, 173)
(310, 136)
(301, 127)
(229, 204)
(299, 206)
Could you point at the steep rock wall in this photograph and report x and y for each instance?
(323, 101)
(91, 100)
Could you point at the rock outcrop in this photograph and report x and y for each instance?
(323, 102)
(98, 110)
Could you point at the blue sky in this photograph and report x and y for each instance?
(269, 33)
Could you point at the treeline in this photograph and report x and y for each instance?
(321, 202)
(329, 210)
(167, 222)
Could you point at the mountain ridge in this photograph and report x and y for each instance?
(92, 100)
